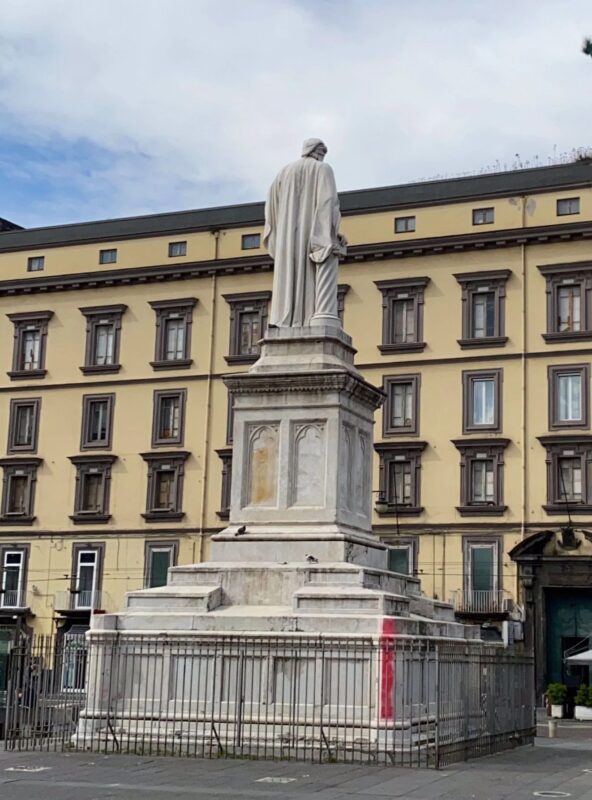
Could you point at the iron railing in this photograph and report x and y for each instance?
(14, 598)
(493, 601)
(414, 702)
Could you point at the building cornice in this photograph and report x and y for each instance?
(436, 245)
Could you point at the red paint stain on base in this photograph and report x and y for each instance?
(387, 668)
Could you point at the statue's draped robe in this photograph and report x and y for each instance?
(301, 232)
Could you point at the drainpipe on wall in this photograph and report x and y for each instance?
(524, 387)
(208, 419)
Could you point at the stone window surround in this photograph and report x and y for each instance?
(108, 255)
(248, 236)
(35, 263)
(95, 315)
(468, 377)
(159, 544)
(410, 542)
(178, 243)
(413, 289)
(469, 450)
(473, 283)
(25, 549)
(23, 321)
(568, 445)
(87, 399)
(482, 210)
(225, 455)
(388, 452)
(84, 465)
(578, 273)
(158, 396)
(176, 459)
(99, 549)
(28, 466)
(470, 541)
(561, 200)
(388, 382)
(183, 308)
(15, 404)
(553, 373)
(240, 302)
(404, 224)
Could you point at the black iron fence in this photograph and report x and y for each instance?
(405, 701)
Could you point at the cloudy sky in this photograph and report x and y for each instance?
(122, 107)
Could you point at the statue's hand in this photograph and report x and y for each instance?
(340, 247)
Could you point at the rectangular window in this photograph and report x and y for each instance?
(402, 314)
(483, 315)
(569, 396)
(248, 320)
(173, 333)
(93, 477)
(398, 488)
(569, 473)
(482, 216)
(569, 308)
(18, 489)
(92, 492)
(250, 241)
(97, 421)
(85, 593)
(400, 414)
(108, 256)
(31, 354)
(35, 263)
(482, 398)
(160, 557)
(165, 485)
(177, 249)
(570, 479)
(30, 334)
(23, 425)
(400, 559)
(404, 224)
(103, 331)
(482, 481)
(568, 205)
(481, 578)
(168, 417)
(13, 579)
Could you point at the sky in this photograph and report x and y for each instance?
(124, 107)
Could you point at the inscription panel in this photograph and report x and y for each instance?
(307, 481)
(262, 465)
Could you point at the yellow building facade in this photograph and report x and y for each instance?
(468, 300)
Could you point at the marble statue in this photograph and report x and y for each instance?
(302, 236)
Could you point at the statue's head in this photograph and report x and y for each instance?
(314, 148)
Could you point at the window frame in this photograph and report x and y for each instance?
(180, 243)
(561, 200)
(472, 450)
(390, 453)
(402, 289)
(96, 316)
(567, 446)
(15, 404)
(157, 398)
(225, 456)
(475, 283)
(24, 321)
(574, 274)
(85, 465)
(246, 236)
(99, 549)
(155, 462)
(472, 542)
(554, 372)
(181, 308)
(87, 400)
(31, 260)
(16, 467)
(408, 543)
(388, 384)
(245, 302)
(403, 223)
(23, 550)
(475, 212)
(105, 255)
(469, 377)
(158, 545)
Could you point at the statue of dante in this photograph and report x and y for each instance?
(302, 236)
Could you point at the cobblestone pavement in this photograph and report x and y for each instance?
(556, 765)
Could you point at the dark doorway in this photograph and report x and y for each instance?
(569, 620)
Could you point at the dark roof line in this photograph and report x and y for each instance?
(437, 192)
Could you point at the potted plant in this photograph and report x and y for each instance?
(556, 694)
(583, 701)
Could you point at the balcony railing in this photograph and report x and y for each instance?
(13, 598)
(494, 601)
(81, 600)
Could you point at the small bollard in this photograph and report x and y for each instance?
(552, 728)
